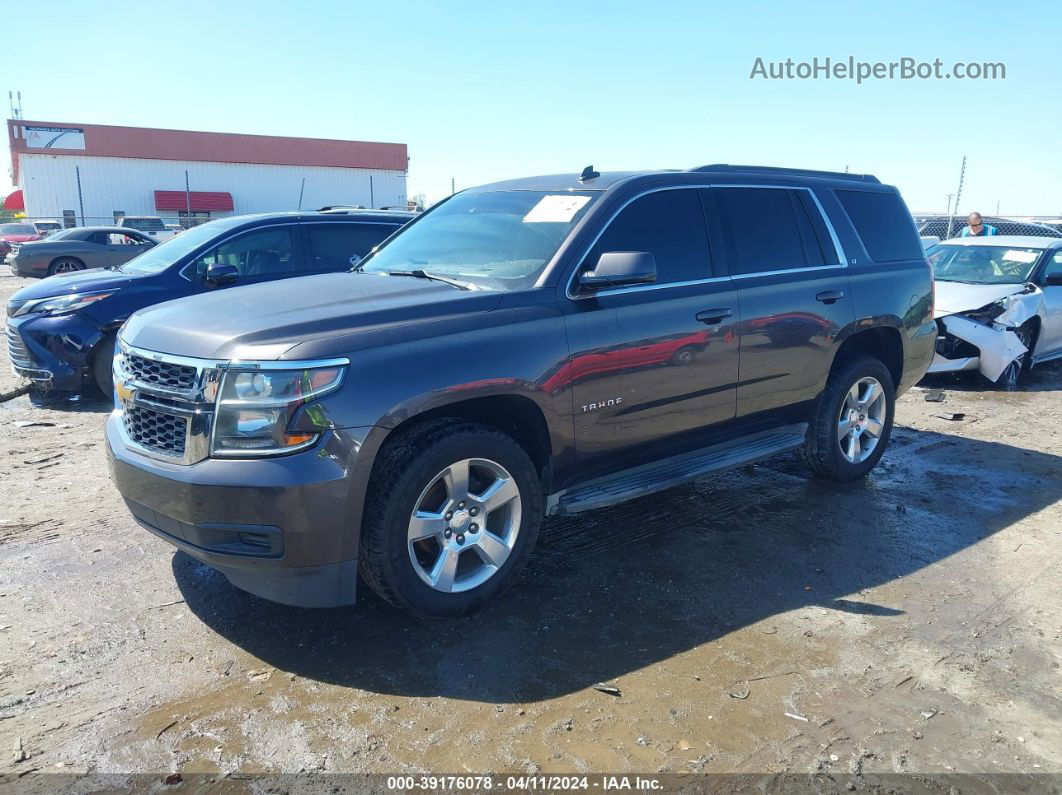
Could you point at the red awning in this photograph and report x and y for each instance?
(14, 201)
(196, 201)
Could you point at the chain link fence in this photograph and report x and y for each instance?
(944, 227)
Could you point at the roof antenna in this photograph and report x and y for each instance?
(588, 174)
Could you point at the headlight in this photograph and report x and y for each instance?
(63, 304)
(256, 410)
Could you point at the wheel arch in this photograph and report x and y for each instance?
(518, 416)
(884, 343)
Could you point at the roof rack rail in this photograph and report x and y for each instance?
(806, 172)
(334, 208)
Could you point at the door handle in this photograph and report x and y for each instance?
(713, 316)
(830, 296)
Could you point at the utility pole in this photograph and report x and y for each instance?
(187, 202)
(958, 194)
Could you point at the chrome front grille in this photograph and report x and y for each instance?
(167, 375)
(166, 402)
(156, 430)
(17, 351)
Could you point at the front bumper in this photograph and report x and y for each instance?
(53, 352)
(283, 528)
(942, 365)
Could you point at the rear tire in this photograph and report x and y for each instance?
(65, 265)
(102, 362)
(853, 421)
(437, 548)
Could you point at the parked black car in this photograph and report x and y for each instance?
(61, 331)
(540, 346)
(78, 249)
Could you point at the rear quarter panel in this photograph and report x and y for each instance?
(895, 295)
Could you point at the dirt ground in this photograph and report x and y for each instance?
(755, 622)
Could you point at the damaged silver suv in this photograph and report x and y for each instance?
(998, 305)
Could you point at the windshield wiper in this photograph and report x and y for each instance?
(435, 277)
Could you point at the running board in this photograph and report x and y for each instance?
(659, 475)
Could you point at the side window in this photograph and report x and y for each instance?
(765, 233)
(884, 224)
(1054, 265)
(99, 238)
(339, 246)
(669, 224)
(264, 252)
(118, 239)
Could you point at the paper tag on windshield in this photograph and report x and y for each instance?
(1021, 256)
(554, 209)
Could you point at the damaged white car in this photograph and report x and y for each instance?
(998, 305)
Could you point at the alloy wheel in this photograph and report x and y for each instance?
(67, 266)
(861, 420)
(464, 525)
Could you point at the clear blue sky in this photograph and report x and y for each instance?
(488, 90)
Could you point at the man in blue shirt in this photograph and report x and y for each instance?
(977, 227)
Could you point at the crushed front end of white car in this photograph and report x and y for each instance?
(979, 326)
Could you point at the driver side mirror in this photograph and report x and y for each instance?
(218, 274)
(1053, 279)
(620, 269)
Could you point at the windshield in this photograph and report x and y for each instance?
(157, 258)
(983, 264)
(500, 240)
(17, 229)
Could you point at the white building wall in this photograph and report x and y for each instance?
(49, 184)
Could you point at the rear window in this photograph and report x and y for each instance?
(17, 229)
(145, 224)
(884, 224)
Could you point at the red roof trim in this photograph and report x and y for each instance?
(200, 201)
(151, 144)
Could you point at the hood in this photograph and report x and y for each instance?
(264, 320)
(955, 297)
(89, 281)
(19, 238)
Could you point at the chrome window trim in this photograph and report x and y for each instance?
(838, 249)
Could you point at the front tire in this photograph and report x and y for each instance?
(453, 513)
(853, 421)
(1009, 378)
(102, 365)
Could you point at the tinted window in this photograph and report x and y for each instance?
(338, 246)
(264, 252)
(884, 224)
(99, 238)
(765, 235)
(670, 225)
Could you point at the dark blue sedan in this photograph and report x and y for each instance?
(61, 331)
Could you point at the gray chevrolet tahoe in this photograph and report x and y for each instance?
(529, 348)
